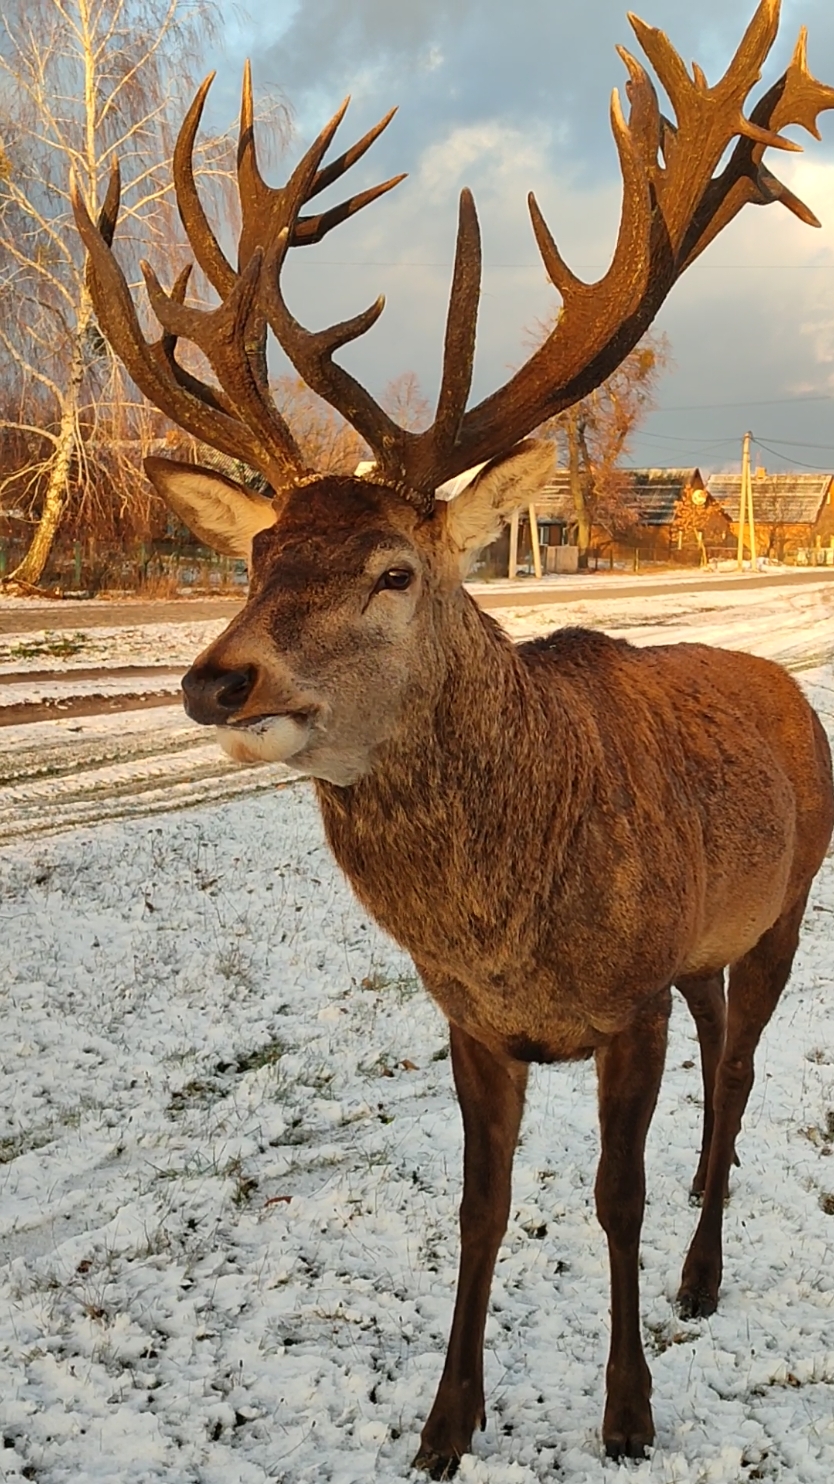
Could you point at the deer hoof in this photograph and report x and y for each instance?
(437, 1465)
(696, 1303)
(628, 1429)
(627, 1447)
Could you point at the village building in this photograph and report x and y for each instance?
(793, 513)
(675, 517)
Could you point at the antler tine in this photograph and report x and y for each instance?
(181, 398)
(310, 229)
(311, 353)
(207, 250)
(458, 352)
(116, 315)
(109, 213)
(165, 348)
(220, 334)
(795, 98)
(645, 121)
(267, 209)
(337, 168)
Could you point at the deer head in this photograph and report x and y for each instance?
(356, 580)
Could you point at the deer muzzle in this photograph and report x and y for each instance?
(253, 726)
(213, 697)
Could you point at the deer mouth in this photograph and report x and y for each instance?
(262, 723)
(268, 738)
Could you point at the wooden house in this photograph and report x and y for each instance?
(659, 501)
(794, 513)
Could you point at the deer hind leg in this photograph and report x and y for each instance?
(705, 998)
(491, 1094)
(629, 1069)
(756, 982)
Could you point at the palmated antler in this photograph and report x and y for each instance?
(673, 205)
(239, 416)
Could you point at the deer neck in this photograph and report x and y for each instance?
(465, 795)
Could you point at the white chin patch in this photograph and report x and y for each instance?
(276, 739)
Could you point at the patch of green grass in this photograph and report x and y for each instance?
(243, 1187)
(14, 1145)
(53, 643)
(659, 1337)
(200, 1092)
(253, 1061)
(403, 986)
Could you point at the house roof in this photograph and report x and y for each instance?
(651, 493)
(654, 493)
(554, 498)
(795, 499)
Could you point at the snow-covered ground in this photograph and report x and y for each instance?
(229, 1155)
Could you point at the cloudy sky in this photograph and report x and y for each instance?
(505, 96)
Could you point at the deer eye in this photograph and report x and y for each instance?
(397, 579)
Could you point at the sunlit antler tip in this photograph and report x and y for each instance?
(618, 122)
(800, 51)
(77, 198)
(638, 26)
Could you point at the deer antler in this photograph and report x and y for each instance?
(673, 205)
(239, 416)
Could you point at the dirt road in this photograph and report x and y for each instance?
(28, 616)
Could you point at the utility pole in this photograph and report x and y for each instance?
(745, 508)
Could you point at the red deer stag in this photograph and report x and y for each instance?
(557, 832)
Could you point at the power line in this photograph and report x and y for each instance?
(818, 468)
(710, 442)
(760, 402)
(800, 443)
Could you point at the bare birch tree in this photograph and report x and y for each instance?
(82, 83)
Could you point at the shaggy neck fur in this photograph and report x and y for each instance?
(484, 786)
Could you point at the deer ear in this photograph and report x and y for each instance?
(474, 516)
(222, 514)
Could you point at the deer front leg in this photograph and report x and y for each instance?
(629, 1070)
(491, 1094)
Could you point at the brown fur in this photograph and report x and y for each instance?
(557, 832)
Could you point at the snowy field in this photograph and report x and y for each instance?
(230, 1155)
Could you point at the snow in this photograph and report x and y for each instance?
(171, 645)
(229, 1151)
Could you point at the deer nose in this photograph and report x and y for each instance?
(211, 697)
